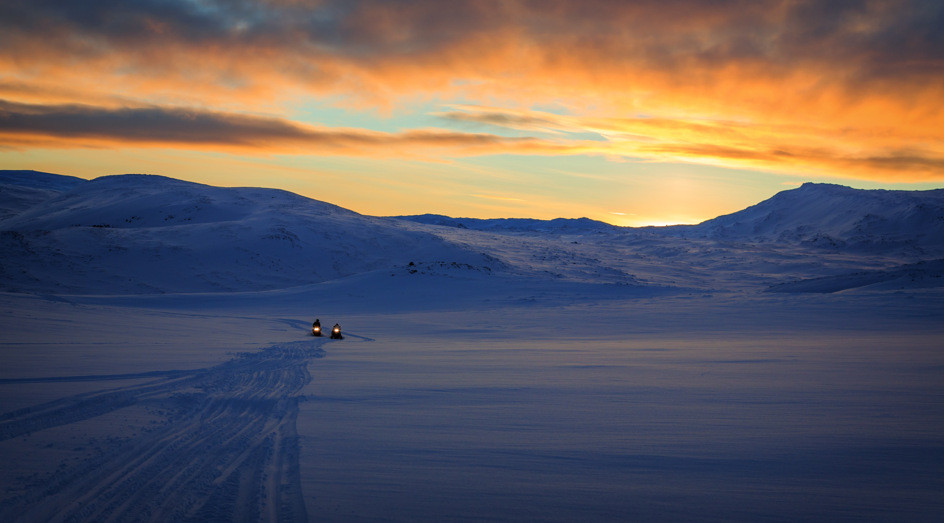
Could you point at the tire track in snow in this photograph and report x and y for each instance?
(227, 448)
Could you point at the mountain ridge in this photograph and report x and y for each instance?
(152, 234)
(832, 211)
(148, 234)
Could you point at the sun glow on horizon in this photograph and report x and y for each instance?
(466, 109)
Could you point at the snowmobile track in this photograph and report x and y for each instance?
(227, 449)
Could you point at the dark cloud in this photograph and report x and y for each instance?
(873, 34)
(77, 125)
(873, 40)
(151, 124)
(911, 162)
(912, 165)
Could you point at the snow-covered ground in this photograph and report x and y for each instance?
(785, 362)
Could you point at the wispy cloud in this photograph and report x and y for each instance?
(725, 143)
(73, 125)
(868, 153)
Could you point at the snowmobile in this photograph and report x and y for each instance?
(336, 332)
(316, 328)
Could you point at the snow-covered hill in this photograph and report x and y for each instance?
(834, 216)
(814, 215)
(20, 190)
(151, 234)
(134, 234)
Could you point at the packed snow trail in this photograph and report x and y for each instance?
(227, 448)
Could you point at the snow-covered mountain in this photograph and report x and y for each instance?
(834, 216)
(133, 234)
(814, 215)
(146, 234)
(20, 190)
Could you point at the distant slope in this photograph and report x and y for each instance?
(20, 190)
(836, 216)
(151, 234)
(135, 201)
(557, 225)
(39, 180)
(146, 234)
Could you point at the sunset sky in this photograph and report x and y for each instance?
(635, 113)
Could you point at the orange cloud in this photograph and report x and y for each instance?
(875, 153)
(843, 88)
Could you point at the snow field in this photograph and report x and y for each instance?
(780, 363)
(618, 424)
(530, 403)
